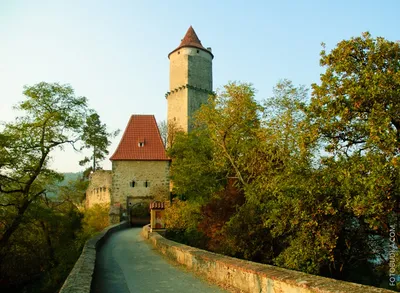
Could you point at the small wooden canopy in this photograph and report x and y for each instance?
(157, 205)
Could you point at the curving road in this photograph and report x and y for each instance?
(126, 263)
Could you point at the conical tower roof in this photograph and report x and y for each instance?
(191, 40)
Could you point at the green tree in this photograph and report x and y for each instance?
(232, 119)
(45, 247)
(355, 110)
(284, 118)
(229, 154)
(193, 173)
(40, 236)
(319, 211)
(96, 137)
(168, 131)
(356, 107)
(53, 119)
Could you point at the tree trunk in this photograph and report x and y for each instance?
(14, 225)
(94, 159)
(49, 244)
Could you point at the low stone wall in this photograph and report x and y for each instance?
(80, 278)
(247, 276)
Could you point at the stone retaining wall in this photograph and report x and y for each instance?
(248, 276)
(80, 278)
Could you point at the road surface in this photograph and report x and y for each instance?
(126, 263)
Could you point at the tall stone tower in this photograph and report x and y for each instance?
(190, 80)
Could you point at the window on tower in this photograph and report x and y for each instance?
(132, 183)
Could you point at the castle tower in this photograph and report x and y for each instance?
(190, 80)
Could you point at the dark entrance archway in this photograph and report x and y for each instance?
(139, 214)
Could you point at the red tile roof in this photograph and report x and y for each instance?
(191, 40)
(141, 129)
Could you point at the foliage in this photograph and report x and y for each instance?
(232, 120)
(53, 119)
(192, 173)
(355, 111)
(95, 219)
(40, 221)
(95, 136)
(320, 177)
(216, 212)
(182, 215)
(356, 106)
(168, 132)
(284, 119)
(256, 244)
(44, 248)
(181, 219)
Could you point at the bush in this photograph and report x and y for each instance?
(181, 219)
(96, 219)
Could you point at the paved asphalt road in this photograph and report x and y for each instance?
(128, 264)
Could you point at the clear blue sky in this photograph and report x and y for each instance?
(115, 52)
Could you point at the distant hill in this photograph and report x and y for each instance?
(67, 178)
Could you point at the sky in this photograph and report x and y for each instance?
(115, 53)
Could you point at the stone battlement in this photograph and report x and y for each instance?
(99, 189)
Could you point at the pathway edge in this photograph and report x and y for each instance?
(248, 276)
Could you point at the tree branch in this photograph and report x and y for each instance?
(7, 205)
(10, 191)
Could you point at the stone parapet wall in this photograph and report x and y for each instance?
(247, 276)
(80, 278)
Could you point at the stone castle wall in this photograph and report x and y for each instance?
(99, 189)
(178, 109)
(199, 68)
(150, 178)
